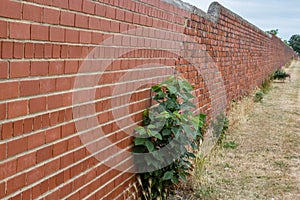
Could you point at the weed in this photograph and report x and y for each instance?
(172, 127)
(230, 145)
(258, 96)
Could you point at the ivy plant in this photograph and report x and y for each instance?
(165, 145)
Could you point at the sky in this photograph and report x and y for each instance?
(265, 14)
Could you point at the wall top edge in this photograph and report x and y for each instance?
(213, 13)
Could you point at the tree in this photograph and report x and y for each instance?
(273, 31)
(295, 43)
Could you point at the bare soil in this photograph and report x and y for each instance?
(260, 156)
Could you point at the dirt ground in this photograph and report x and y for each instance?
(260, 156)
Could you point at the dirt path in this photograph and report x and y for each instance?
(265, 164)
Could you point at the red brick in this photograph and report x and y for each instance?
(56, 51)
(75, 5)
(45, 120)
(18, 127)
(85, 37)
(7, 49)
(26, 194)
(37, 104)
(56, 67)
(19, 30)
(47, 85)
(52, 185)
(44, 154)
(29, 50)
(16, 183)
(28, 125)
(67, 18)
(32, 13)
(44, 186)
(68, 129)
(67, 101)
(4, 29)
(75, 51)
(61, 116)
(26, 161)
(17, 197)
(66, 160)
(18, 50)
(37, 122)
(51, 16)
(29, 88)
(3, 69)
(35, 175)
(72, 36)
(52, 166)
(64, 83)
(39, 32)
(55, 101)
(57, 34)
(68, 114)
(81, 21)
(10, 9)
(17, 108)
(19, 69)
(39, 68)
(60, 4)
(3, 111)
(100, 10)
(48, 51)
(2, 189)
(64, 51)
(74, 143)
(6, 130)
(65, 190)
(53, 134)
(60, 148)
(71, 66)
(35, 191)
(8, 168)
(8, 90)
(16, 146)
(3, 153)
(88, 7)
(39, 50)
(36, 140)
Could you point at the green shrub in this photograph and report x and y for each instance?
(279, 74)
(169, 125)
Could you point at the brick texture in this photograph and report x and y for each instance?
(75, 77)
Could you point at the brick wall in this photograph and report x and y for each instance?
(75, 78)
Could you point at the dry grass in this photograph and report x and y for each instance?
(265, 164)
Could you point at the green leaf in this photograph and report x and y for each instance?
(156, 134)
(166, 132)
(139, 141)
(151, 126)
(160, 95)
(172, 89)
(141, 130)
(174, 180)
(182, 176)
(165, 114)
(156, 88)
(150, 146)
(168, 175)
(175, 129)
(185, 85)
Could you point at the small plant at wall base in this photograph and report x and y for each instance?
(167, 141)
(279, 74)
